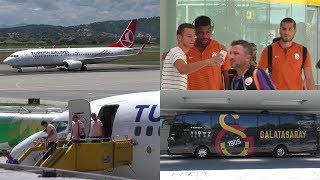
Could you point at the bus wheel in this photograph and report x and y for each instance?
(280, 151)
(202, 152)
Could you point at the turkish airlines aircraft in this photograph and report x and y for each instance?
(135, 115)
(75, 58)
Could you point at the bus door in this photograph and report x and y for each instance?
(179, 136)
(266, 123)
(190, 131)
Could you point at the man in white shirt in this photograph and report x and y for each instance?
(175, 67)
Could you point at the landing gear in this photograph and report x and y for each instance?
(84, 68)
(19, 70)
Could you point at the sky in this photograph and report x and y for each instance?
(74, 12)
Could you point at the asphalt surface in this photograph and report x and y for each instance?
(302, 167)
(56, 87)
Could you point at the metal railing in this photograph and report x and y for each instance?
(29, 110)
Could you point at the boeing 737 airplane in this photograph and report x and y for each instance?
(75, 58)
(136, 116)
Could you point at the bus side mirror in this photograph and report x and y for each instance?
(162, 123)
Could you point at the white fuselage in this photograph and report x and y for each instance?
(138, 117)
(57, 56)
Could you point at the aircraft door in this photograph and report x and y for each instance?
(106, 115)
(81, 108)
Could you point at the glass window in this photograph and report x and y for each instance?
(247, 120)
(229, 119)
(268, 122)
(216, 127)
(306, 120)
(60, 125)
(198, 120)
(288, 122)
(149, 131)
(254, 21)
(137, 131)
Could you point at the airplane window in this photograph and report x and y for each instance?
(137, 131)
(149, 130)
(15, 55)
(61, 126)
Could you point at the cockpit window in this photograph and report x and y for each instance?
(60, 126)
(14, 55)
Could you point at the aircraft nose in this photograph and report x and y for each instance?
(5, 60)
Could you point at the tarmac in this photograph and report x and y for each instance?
(55, 88)
(20, 172)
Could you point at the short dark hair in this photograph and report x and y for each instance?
(288, 20)
(253, 45)
(182, 26)
(245, 44)
(43, 123)
(203, 21)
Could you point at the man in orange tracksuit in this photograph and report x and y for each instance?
(287, 61)
(209, 77)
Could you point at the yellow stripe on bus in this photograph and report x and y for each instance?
(306, 2)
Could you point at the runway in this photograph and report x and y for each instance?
(52, 85)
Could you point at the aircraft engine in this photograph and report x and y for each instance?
(71, 64)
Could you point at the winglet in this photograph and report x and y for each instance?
(141, 49)
(127, 38)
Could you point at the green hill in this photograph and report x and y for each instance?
(95, 33)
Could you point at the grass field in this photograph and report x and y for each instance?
(150, 56)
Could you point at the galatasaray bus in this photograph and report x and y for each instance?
(242, 134)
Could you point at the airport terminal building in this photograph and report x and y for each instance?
(256, 21)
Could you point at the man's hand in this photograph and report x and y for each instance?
(215, 60)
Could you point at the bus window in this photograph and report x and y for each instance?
(229, 120)
(247, 120)
(288, 122)
(198, 121)
(268, 122)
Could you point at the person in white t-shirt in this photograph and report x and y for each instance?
(175, 67)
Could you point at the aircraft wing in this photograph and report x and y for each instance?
(112, 57)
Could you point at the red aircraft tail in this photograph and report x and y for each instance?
(127, 38)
